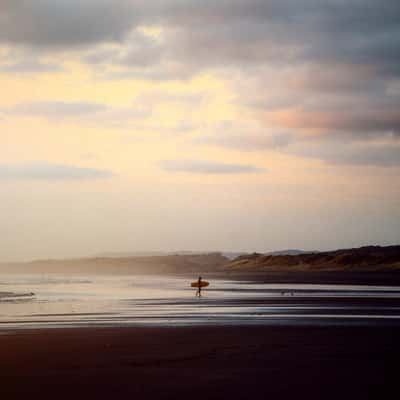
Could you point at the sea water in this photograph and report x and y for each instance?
(42, 301)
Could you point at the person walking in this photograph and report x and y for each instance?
(198, 293)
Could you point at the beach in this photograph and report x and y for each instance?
(200, 362)
(150, 337)
(65, 301)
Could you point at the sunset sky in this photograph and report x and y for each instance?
(242, 125)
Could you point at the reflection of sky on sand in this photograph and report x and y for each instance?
(124, 300)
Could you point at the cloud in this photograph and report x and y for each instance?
(238, 32)
(246, 142)
(65, 23)
(242, 135)
(319, 66)
(364, 121)
(101, 56)
(143, 51)
(281, 31)
(332, 148)
(182, 98)
(299, 65)
(201, 35)
(82, 112)
(137, 51)
(55, 109)
(207, 167)
(351, 153)
(43, 171)
(29, 67)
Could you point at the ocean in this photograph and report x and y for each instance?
(44, 301)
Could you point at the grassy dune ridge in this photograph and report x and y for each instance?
(368, 258)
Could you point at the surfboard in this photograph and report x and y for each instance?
(202, 284)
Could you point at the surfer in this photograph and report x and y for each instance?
(199, 284)
(198, 293)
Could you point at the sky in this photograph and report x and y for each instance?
(166, 125)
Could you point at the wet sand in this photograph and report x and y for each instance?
(385, 278)
(279, 362)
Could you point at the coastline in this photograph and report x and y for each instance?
(378, 278)
(73, 301)
(344, 358)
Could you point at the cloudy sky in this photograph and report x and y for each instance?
(198, 125)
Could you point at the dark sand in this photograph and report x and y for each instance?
(201, 362)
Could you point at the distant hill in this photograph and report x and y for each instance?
(289, 252)
(180, 264)
(368, 258)
(229, 254)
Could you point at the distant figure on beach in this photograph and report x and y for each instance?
(199, 284)
(198, 293)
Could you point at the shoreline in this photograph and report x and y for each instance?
(387, 278)
(377, 278)
(224, 303)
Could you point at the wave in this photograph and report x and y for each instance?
(12, 295)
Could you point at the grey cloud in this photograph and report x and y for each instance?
(207, 167)
(138, 51)
(157, 74)
(276, 31)
(141, 58)
(65, 23)
(101, 56)
(29, 67)
(219, 32)
(339, 100)
(245, 135)
(143, 51)
(331, 148)
(82, 112)
(43, 171)
(349, 47)
(55, 109)
(246, 142)
(361, 121)
(352, 153)
(348, 59)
